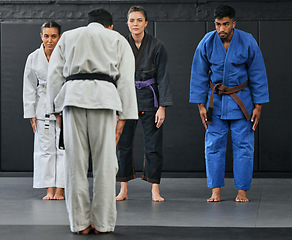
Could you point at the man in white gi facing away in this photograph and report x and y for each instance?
(90, 79)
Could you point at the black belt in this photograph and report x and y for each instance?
(84, 76)
(91, 76)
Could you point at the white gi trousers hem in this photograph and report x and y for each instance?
(90, 131)
(48, 159)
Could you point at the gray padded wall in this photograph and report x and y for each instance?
(183, 132)
(17, 41)
(276, 130)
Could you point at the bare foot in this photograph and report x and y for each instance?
(50, 194)
(86, 231)
(215, 195)
(241, 196)
(98, 232)
(123, 195)
(155, 193)
(59, 195)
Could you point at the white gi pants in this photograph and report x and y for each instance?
(48, 159)
(90, 131)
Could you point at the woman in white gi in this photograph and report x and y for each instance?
(48, 159)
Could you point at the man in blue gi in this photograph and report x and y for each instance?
(228, 73)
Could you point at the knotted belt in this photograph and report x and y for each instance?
(220, 89)
(147, 84)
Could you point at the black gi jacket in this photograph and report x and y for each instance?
(153, 64)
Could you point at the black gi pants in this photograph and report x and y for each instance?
(153, 150)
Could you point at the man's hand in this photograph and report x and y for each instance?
(203, 114)
(256, 114)
(59, 119)
(160, 116)
(119, 129)
(33, 124)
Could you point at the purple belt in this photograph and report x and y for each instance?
(147, 84)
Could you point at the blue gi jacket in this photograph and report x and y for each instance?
(241, 62)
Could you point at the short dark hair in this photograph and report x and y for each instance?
(101, 16)
(138, 9)
(224, 11)
(51, 24)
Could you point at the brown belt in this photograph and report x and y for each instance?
(220, 89)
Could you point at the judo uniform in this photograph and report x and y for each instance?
(89, 117)
(242, 62)
(48, 159)
(153, 90)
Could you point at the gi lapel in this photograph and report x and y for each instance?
(228, 58)
(42, 59)
(138, 52)
(226, 71)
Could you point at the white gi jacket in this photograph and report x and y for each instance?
(106, 52)
(34, 85)
(48, 160)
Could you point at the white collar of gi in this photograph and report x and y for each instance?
(95, 24)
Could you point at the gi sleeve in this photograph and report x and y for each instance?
(199, 82)
(257, 76)
(30, 83)
(125, 82)
(162, 77)
(55, 79)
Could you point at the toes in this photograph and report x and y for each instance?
(121, 197)
(212, 199)
(47, 197)
(59, 197)
(158, 200)
(85, 231)
(96, 232)
(241, 199)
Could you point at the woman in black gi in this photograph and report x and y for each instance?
(153, 95)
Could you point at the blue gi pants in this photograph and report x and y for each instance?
(242, 137)
(153, 149)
